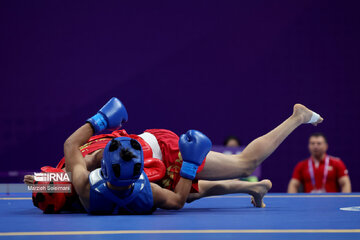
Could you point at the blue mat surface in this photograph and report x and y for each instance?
(286, 216)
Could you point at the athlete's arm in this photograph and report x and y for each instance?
(110, 116)
(294, 186)
(194, 146)
(345, 184)
(170, 200)
(75, 162)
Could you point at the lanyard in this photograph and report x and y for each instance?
(311, 171)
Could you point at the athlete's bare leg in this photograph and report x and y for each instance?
(219, 166)
(212, 188)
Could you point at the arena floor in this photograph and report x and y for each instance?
(286, 216)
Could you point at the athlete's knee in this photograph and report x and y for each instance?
(247, 165)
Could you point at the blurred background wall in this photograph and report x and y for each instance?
(222, 67)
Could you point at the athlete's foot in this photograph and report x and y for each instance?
(29, 179)
(305, 115)
(258, 192)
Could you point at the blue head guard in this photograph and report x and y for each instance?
(123, 161)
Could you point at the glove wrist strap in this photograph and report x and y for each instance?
(188, 170)
(98, 122)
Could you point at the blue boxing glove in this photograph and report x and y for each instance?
(194, 146)
(111, 116)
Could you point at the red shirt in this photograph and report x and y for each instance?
(336, 170)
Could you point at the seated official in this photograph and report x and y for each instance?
(321, 172)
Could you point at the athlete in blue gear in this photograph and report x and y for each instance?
(110, 190)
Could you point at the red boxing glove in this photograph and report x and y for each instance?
(154, 168)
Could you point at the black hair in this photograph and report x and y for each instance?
(232, 138)
(126, 155)
(319, 134)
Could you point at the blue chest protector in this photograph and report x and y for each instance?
(137, 200)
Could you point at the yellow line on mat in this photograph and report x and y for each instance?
(181, 231)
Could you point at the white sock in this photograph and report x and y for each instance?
(314, 118)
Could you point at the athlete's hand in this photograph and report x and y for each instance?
(194, 146)
(111, 116)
